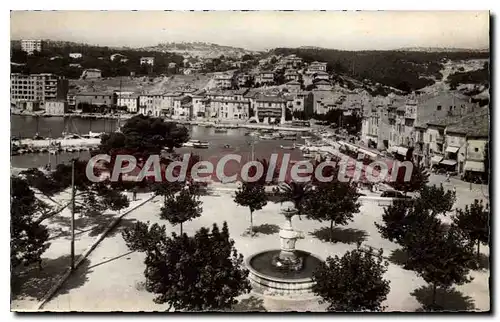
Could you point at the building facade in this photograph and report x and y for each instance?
(30, 45)
(56, 107)
(91, 73)
(147, 61)
(37, 88)
(94, 98)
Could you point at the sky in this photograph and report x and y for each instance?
(260, 30)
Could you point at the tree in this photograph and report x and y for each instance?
(28, 237)
(295, 192)
(419, 178)
(199, 273)
(252, 195)
(474, 222)
(38, 180)
(143, 136)
(166, 188)
(181, 208)
(95, 196)
(441, 256)
(334, 201)
(396, 219)
(353, 282)
(437, 199)
(246, 57)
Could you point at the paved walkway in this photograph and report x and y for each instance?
(113, 277)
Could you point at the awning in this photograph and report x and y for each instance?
(351, 147)
(452, 149)
(368, 153)
(402, 150)
(474, 166)
(436, 159)
(449, 162)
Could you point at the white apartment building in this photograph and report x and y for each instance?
(37, 88)
(147, 61)
(56, 107)
(130, 100)
(75, 55)
(30, 46)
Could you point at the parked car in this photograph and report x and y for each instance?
(394, 194)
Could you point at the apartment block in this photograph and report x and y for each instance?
(37, 88)
(30, 46)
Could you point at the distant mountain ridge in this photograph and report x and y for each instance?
(442, 49)
(200, 49)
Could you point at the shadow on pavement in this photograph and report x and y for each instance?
(342, 235)
(251, 304)
(266, 229)
(32, 282)
(446, 300)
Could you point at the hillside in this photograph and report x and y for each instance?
(406, 71)
(200, 49)
(442, 50)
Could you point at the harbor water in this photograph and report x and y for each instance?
(234, 141)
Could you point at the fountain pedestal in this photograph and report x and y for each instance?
(287, 271)
(287, 259)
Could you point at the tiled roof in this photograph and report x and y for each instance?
(276, 99)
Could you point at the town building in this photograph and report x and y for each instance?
(56, 107)
(265, 78)
(167, 105)
(183, 107)
(320, 75)
(151, 104)
(292, 75)
(224, 80)
(292, 61)
(37, 88)
(129, 100)
(293, 86)
(316, 67)
(75, 55)
(235, 109)
(243, 79)
(30, 46)
(91, 73)
(270, 109)
(147, 61)
(323, 85)
(94, 98)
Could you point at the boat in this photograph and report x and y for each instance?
(289, 137)
(227, 146)
(201, 145)
(286, 147)
(196, 144)
(309, 155)
(220, 130)
(276, 135)
(266, 137)
(306, 137)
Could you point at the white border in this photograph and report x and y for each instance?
(192, 5)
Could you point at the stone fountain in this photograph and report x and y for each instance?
(286, 271)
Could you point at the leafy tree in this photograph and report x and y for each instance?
(396, 218)
(334, 201)
(474, 222)
(181, 208)
(419, 178)
(28, 237)
(437, 199)
(353, 282)
(441, 256)
(252, 195)
(143, 136)
(295, 192)
(246, 57)
(38, 180)
(166, 188)
(95, 196)
(199, 273)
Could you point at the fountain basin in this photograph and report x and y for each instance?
(268, 279)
